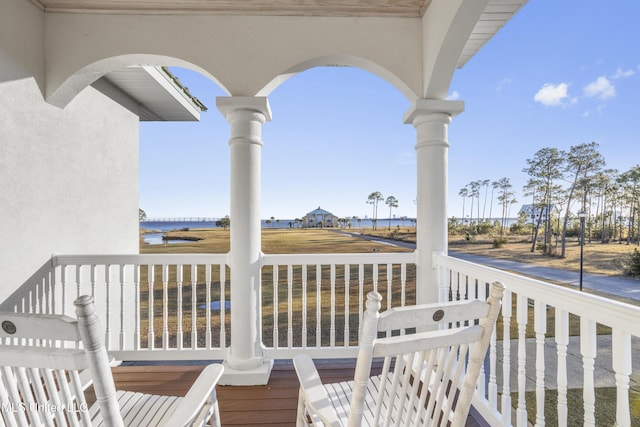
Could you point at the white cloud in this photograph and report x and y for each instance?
(620, 73)
(552, 95)
(601, 89)
(453, 95)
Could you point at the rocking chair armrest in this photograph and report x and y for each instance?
(196, 398)
(316, 398)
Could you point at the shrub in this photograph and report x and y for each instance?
(499, 242)
(632, 267)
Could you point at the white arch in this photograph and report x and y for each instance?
(78, 81)
(340, 60)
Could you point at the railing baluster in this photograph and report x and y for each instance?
(49, 294)
(290, 306)
(621, 352)
(318, 306)
(63, 285)
(562, 341)
(347, 308)
(374, 267)
(403, 284)
(223, 300)
(151, 339)
(179, 282)
(276, 336)
(507, 311)
(389, 284)
(521, 315)
(304, 306)
(136, 328)
(540, 329)
(194, 306)
(93, 279)
(78, 279)
(207, 305)
(481, 292)
(332, 330)
(492, 389)
(588, 348)
(107, 284)
(165, 306)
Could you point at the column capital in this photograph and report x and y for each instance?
(230, 104)
(433, 106)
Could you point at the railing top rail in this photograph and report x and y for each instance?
(602, 310)
(340, 259)
(140, 259)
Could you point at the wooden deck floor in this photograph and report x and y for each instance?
(271, 404)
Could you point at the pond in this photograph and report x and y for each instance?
(156, 239)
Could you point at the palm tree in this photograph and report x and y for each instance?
(392, 202)
(464, 193)
(373, 199)
(485, 183)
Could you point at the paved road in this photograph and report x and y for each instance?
(621, 286)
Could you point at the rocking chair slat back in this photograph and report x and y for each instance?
(428, 376)
(47, 362)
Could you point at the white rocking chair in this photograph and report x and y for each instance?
(425, 377)
(47, 362)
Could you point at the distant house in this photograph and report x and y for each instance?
(319, 218)
(533, 213)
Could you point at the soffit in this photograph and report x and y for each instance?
(158, 94)
(494, 17)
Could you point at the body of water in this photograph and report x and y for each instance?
(278, 223)
(355, 224)
(161, 226)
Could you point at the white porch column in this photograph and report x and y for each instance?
(431, 118)
(245, 363)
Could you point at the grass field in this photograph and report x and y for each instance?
(274, 241)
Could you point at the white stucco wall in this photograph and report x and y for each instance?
(68, 179)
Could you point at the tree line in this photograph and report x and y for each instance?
(575, 182)
(476, 190)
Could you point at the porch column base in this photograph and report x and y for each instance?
(255, 376)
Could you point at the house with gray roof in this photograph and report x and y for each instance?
(319, 218)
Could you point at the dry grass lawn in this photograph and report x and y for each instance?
(599, 258)
(274, 241)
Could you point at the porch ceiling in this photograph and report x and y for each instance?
(496, 14)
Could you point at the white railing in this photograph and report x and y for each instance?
(150, 305)
(176, 306)
(314, 302)
(588, 346)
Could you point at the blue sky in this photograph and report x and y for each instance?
(560, 73)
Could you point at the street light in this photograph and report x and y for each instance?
(582, 214)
